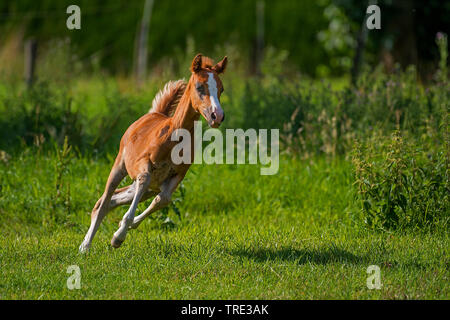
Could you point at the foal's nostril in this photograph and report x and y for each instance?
(213, 116)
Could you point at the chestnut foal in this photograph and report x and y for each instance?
(145, 148)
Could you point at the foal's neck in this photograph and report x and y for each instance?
(185, 114)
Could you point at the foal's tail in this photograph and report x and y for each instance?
(166, 100)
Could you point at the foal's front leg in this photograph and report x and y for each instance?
(143, 181)
(160, 201)
(126, 195)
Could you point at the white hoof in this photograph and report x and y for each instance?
(116, 242)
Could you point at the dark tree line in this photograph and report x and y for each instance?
(109, 28)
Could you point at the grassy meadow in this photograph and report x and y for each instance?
(363, 180)
(240, 235)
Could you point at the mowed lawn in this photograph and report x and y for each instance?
(294, 235)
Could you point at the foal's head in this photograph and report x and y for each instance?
(207, 88)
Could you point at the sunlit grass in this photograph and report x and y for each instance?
(294, 235)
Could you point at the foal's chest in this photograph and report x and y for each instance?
(159, 172)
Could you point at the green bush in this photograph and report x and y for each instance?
(402, 184)
(38, 115)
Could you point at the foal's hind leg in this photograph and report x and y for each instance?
(103, 204)
(142, 181)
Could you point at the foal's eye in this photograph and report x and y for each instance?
(200, 89)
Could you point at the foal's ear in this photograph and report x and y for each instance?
(221, 66)
(196, 65)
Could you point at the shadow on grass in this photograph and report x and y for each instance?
(301, 256)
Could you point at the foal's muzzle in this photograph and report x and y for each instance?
(216, 119)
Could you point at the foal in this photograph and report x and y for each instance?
(145, 148)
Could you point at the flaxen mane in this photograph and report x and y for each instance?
(167, 99)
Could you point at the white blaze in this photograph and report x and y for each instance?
(215, 104)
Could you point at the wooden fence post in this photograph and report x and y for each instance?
(30, 61)
(142, 51)
(260, 4)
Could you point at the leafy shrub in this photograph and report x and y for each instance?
(401, 184)
(38, 115)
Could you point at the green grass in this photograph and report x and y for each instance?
(294, 235)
